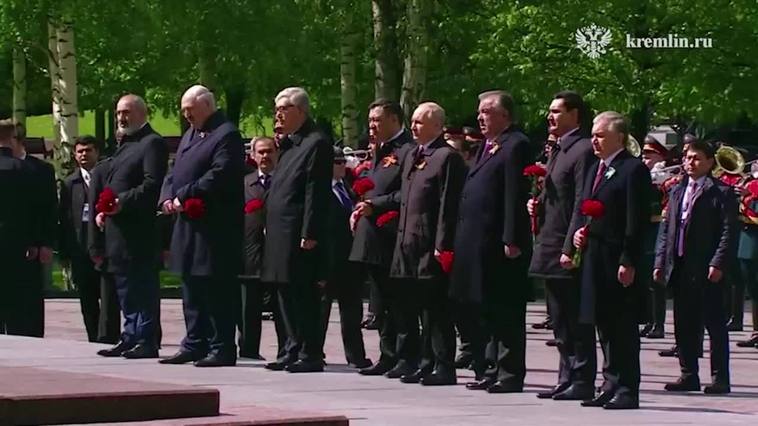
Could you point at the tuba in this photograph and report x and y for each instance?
(728, 160)
(633, 147)
(359, 154)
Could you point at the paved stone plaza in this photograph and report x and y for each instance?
(376, 400)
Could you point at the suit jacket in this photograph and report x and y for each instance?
(428, 202)
(255, 223)
(614, 239)
(336, 248)
(18, 230)
(562, 192)
(73, 229)
(134, 173)
(210, 166)
(492, 214)
(710, 234)
(297, 205)
(372, 244)
(46, 200)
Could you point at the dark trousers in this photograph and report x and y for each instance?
(109, 324)
(139, 297)
(249, 324)
(748, 270)
(576, 342)
(20, 309)
(468, 322)
(87, 282)
(655, 296)
(428, 299)
(735, 289)
(695, 306)
(211, 306)
(343, 286)
(619, 337)
(382, 285)
(31, 298)
(299, 302)
(376, 301)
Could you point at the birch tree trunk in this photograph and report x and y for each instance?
(54, 71)
(386, 62)
(348, 88)
(68, 84)
(414, 65)
(19, 85)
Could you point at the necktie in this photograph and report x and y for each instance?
(552, 155)
(344, 198)
(265, 181)
(689, 196)
(599, 176)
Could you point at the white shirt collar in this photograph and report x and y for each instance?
(610, 158)
(335, 181)
(699, 182)
(85, 175)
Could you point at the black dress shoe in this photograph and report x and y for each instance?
(646, 329)
(672, 352)
(414, 377)
(141, 352)
(623, 402)
(252, 355)
(691, 384)
(301, 366)
(438, 378)
(734, 325)
(551, 343)
(557, 389)
(364, 363)
(115, 351)
(541, 325)
(400, 370)
(482, 384)
(600, 400)
(463, 361)
(181, 357)
(717, 388)
(656, 333)
(377, 369)
(575, 393)
(216, 360)
(502, 387)
(749, 343)
(277, 365)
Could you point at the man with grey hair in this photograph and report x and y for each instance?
(204, 190)
(130, 248)
(432, 178)
(611, 245)
(296, 205)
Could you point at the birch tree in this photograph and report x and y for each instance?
(348, 88)
(386, 59)
(69, 105)
(19, 85)
(417, 46)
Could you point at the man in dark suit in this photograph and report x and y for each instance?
(567, 163)
(697, 241)
(432, 179)
(46, 200)
(373, 244)
(18, 232)
(206, 245)
(492, 246)
(130, 254)
(265, 154)
(296, 208)
(74, 214)
(612, 247)
(340, 276)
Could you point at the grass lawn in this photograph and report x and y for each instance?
(166, 125)
(168, 279)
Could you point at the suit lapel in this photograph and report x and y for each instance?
(610, 172)
(500, 141)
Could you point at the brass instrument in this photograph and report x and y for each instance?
(728, 160)
(660, 175)
(633, 146)
(358, 154)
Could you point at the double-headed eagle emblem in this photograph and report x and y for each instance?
(593, 40)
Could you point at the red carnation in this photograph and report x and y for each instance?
(194, 208)
(535, 170)
(362, 186)
(253, 205)
(445, 259)
(592, 208)
(106, 201)
(386, 218)
(752, 188)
